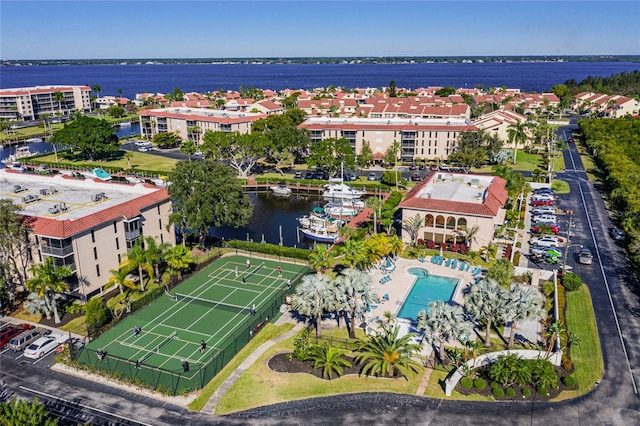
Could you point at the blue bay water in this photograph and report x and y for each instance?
(132, 79)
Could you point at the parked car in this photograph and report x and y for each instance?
(298, 175)
(198, 153)
(416, 177)
(585, 257)
(618, 234)
(143, 149)
(412, 167)
(547, 241)
(542, 197)
(308, 175)
(544, 218)
(41, 347)
(545, 227)
(22, 340)
(543, 210)
(421, 167)
(8, 333)
(372, 176)
(433, 168)
(444, 167)
(537, 203)
(545, 252)
(571, 140)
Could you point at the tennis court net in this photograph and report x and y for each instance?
(212, 303)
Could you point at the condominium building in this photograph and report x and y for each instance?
(419, 138)
(30, 103)
(192, 123)
(86, 224)
(448, 203)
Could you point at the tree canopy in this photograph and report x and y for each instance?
(332, 152)
(240, 152)
(475, 148)
(207, 194)
(88, 137)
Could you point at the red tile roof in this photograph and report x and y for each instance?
(495, 198)
(55, 228)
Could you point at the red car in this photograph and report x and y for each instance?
(571, 140)
(11, 331)
(538, 203)
(539, 228)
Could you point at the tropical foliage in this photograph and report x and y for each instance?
(523, 303)
(486, 301)
(444, 323)
(354, 291)
(25, 413)
(49, 280)
(88, 137)
(313, 298)
(239, 151)
(329, 358)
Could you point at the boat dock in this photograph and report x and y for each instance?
(301, 188)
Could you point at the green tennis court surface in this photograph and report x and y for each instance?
(221, 305)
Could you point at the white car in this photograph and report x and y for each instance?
(543, 197)
(546, 241)
(543, 210)
(544, 218)
(143, 149)
(41, 347)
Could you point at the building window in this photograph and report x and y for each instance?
(98, 270)
(117, 244)
(158, 208)
(95, 253)
(428, 220)
(451, 222)
(160, 224)
(93, 236)
(115, 226)
(462, 223)
(119, 258)
(440, 222)
(161, 239)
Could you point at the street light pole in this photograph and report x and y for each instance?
(567, 246)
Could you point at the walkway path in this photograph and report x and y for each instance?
(211, 405)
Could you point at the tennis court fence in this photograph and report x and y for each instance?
(176, 381)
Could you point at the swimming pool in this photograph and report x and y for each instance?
(427, 288)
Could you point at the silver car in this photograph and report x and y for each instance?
(585, 257)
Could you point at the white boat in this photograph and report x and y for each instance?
(325, 235)
(281, 190)
(318, 226)
(341, 210)
(134, 179)
(337, 190)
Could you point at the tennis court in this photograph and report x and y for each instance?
(223, 306)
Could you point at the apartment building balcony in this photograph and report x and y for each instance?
(56, 251)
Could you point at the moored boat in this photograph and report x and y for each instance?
(281, 190)
(97, 173)
(337, 190)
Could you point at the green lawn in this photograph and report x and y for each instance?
(587, 358)
(139, 160)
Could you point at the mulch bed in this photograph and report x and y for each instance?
(281, 364)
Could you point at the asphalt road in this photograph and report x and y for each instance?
(614, 401)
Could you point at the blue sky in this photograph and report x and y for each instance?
(223, 29)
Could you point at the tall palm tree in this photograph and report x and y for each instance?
(470, 235)
(96, 89)
(375, 204)
(47, 281)
(444, 323)
(178, 259)
(155, 253)
(412, 225)
(384, 353)
(489, 251)
(523, 303)
(320, 259)
(517, 135)
(137, 257)
(58, 96)
(356, 290)
(485, 301)
(551, 333)
(353, 253)
(313, 297)
(120, 278)
(395, 245)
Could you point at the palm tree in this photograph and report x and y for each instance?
(489, 251)
(517, 135)
(485, 301)
(155, 253)
(384, 353)
(96, 89)
(137, 257)
(58, 96)
(375, 204)
(313, 297)
(470, 235)
(178, 259)
(412, 225)
(48, 280)
(320, 259)
(444, 323)
(353, 252)
(329, 358)
(356, 291)
(551, 333)
(120, 278)
(524, 303)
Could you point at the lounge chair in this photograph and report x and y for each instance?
(386, 297)
(447, 263)
(454, 264)
(462, 265)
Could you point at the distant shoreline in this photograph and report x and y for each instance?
(327, 60)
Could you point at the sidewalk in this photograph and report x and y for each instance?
(211, 405)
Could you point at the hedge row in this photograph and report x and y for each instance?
(271, 249)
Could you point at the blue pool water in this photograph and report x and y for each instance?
(426, 289)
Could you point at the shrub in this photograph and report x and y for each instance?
(301, 345)
(567, 363)
(542, 390)
(510, 392)
(97, 313)
(571, 281)
(516, 258)
(479, 383)
(272, 249)
(75, 308)
(497, 392)
(466, 382)
(526, 392)
(547, 288)
(569, 381)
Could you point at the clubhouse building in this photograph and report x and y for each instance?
(450, 202)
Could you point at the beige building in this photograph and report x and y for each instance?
(450, 202)
(30, 103)
(420, 138)
(192, 123)
(498, 123)
(86, 224)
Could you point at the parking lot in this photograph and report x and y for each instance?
(47, 360)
